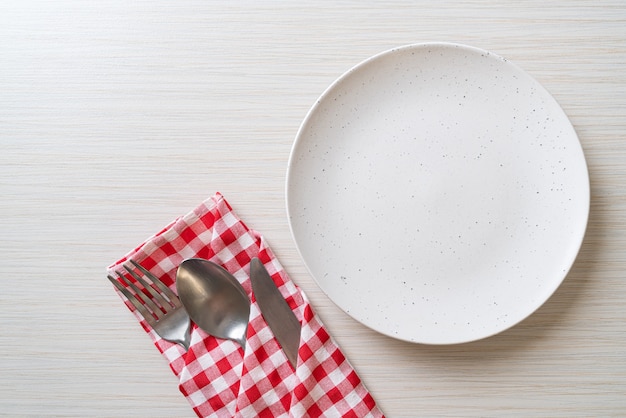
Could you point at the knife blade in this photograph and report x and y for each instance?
(276, 311)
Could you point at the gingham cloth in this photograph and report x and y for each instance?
(217, 376)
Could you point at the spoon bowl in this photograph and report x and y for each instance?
(214, 299)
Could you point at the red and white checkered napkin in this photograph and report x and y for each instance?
(216, 376)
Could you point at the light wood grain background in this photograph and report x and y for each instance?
(117, 116)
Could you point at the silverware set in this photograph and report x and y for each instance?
(211, 297)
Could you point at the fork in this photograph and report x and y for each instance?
(162, 309)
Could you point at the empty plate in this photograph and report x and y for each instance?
(437, 193)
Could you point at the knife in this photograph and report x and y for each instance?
(276, 311)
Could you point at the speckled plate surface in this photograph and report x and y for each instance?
(437, 193)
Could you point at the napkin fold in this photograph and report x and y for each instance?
(217, 376)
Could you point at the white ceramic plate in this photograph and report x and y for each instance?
(437, 193)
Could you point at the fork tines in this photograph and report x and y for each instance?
(154, 301)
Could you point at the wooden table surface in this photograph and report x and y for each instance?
(117, 116)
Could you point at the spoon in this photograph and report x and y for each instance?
(214, 299)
